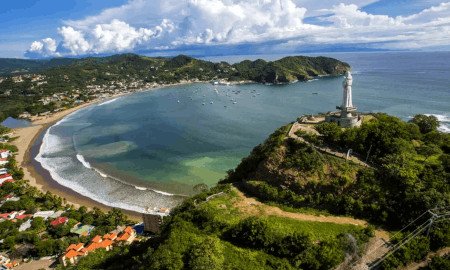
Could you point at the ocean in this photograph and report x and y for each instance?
(149, 149)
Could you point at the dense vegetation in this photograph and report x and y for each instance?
(74, 78)
(214, 234)
(409, 171)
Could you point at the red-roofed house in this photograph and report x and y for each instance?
(3, 161)
(59, 221)
(110, 236)
(73, 253)
(128, 235)
(5, 177)
(96, 239)
(22, 216)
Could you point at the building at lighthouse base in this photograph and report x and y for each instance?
(345, 118)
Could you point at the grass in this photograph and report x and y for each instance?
(225, 212)
(317, 230)
(302, 210)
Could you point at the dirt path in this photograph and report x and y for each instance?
(309, 129)
(251, 206)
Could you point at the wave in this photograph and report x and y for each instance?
(166, 193)
(54, 166)
(108, 101)
(83, 161)
(102, 174)
(444, 120)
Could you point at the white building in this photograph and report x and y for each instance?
(44, 214)
(4, 153)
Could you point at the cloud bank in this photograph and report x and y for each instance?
(160, 25)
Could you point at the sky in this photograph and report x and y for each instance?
(76, 28)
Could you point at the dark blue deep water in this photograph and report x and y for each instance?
(145, 150)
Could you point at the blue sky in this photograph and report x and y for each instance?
(52, 28)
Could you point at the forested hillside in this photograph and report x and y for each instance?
(39, 86)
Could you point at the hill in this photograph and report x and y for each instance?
(37, 86)
(310, 209)
(10, 66)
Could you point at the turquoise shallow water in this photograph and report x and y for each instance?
(135, 152)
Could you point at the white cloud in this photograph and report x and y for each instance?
(73, 40)
(170, 24)
(44, 48)
(346, 16)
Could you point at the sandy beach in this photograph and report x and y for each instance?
(41, 179)
(27, 136)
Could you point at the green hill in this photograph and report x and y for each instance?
(304, 202)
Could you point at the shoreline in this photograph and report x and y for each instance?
(26, 142)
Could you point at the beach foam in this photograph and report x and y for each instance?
(83, 161)
(108, 102)
(444, 120)
(83, 179)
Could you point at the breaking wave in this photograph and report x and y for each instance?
(57, 157)
(83, 161)
(444, 120)
(108, 101)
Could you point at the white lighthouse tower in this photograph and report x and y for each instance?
(346, 116)
(347, 103)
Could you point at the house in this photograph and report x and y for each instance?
(43, 214)
(98, 242)
(4, 259)
(4, 153)
(3, 171)
(73, 253)
(14, 215)
(4, 161)
(59, 221)
(10, 265)
(5, 177)
(57, 214)
(80, 229)
(110, 236)
(25, 226)
(23, 216)
(127, 236)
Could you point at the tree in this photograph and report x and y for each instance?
(429, 150)
(426, 123)
(38, 224)
(207, 255)
(200, 187)
(330, 132)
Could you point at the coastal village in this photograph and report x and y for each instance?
(77, 236)
(39, 230)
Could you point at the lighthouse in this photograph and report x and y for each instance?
(346, 116)
(347, 104)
